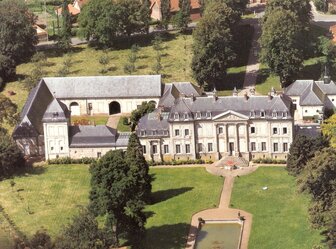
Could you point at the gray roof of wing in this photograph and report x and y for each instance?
(233, 103)
(105, 86)
(327, 88)
(56, 112)
(92, 136)
(298, 87)
(310, 96)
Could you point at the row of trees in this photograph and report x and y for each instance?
(313, 162)
(214, 36)
(285, 37)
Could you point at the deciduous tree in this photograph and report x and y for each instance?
(17, 34)
(64, 41)
(165, 8)
(11, 158)
(281, 45)
(302, 150)
(213, 43)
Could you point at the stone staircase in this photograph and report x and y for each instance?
(232, 161)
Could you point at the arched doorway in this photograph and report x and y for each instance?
(74, 109)
(114, 108)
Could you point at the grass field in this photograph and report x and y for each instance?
(51, 195)
(90, 120)
(121, 127)
(280, 214)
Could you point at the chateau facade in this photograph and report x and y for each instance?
(211, 127)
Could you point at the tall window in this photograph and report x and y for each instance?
(284, 130)
(263, 146)
(177, 132)
(262, 114)
(178, 148)
(144, 149)
(285, 147)
(275, 147)
(166, 148)
(253, 130)
(187, 148)
(186, 132)
(253, 146)
(154, 148)
(220, 130)
(98, 154)
(210, 147)
(275, 130)
(200, 147)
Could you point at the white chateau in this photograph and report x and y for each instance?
(187, 123)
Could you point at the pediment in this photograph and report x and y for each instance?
(230, 116)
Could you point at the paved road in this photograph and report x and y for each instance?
(322, 20)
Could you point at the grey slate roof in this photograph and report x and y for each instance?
(33, 111)
(56, 112)
(92, 136)
(154, 124)
(105, 86)
(219, 105)
(175, 90)
(311, 93)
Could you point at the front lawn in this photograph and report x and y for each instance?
(280, 214)
(52, 194)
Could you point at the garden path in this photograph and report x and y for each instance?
(223, 212)
(253, 64)
(113, 121)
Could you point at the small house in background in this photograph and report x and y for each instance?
(332, 30)
(42, 35)
(257, 1)
(74, 8)
(195, 12)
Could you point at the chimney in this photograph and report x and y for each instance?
(252, 91)
(273, 92)
(215, 97)
(246, 96)
(193, 98)
(235, 92)
(326, 77)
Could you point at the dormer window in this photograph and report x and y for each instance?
(262, 114)
(142, 133)
(154, 132)
(252, 114)
(55, 114)
(274, 114)
(176, 116)
(186, 116)
(198, 115)
(208, 114)
(284, 114)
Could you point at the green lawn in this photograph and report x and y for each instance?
(51, 195)
(121, 127)
(280, 216)
(91, 120)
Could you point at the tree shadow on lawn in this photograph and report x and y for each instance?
(167, 236)
(311, 72)
(164, 195)
(262, 76)
(231, 81)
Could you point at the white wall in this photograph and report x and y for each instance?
(56, 140)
